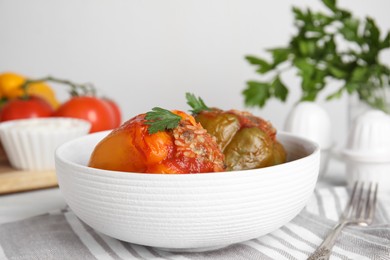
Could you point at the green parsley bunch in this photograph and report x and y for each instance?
(314, 51)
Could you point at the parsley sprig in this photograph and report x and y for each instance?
(160, 119)
(196, 103)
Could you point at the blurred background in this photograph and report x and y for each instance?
(149, 53)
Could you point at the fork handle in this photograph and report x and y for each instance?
(324, 251)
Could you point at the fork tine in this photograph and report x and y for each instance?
(359, 201)
(348, 208)
(367, 203)
(372, 205)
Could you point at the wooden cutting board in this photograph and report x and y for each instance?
(12, 180)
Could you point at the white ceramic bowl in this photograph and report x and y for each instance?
(187, 212)
(30, 143)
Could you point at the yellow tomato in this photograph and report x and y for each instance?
(10, 88)
(10, 85)
(42, 90)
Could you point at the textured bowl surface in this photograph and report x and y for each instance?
(189, 212)
(30, 143)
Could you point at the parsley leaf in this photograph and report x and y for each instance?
(160, 119)
(197, 104)
(280, 90)
(256, 93)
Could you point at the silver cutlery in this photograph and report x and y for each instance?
(359, 211)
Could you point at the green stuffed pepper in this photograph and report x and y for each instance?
(247, 141)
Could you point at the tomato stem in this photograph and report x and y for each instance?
(75, 88)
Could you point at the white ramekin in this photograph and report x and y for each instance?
(30, 144)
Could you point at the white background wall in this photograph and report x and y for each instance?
(146, 53)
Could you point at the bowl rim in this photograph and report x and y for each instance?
(107, 173)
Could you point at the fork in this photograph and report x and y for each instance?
(359, 211)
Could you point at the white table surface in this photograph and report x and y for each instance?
(22, 205)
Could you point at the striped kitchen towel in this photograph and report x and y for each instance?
(61, 235)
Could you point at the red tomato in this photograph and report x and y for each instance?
(117, 111)
(25, 108)
(89, 108)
